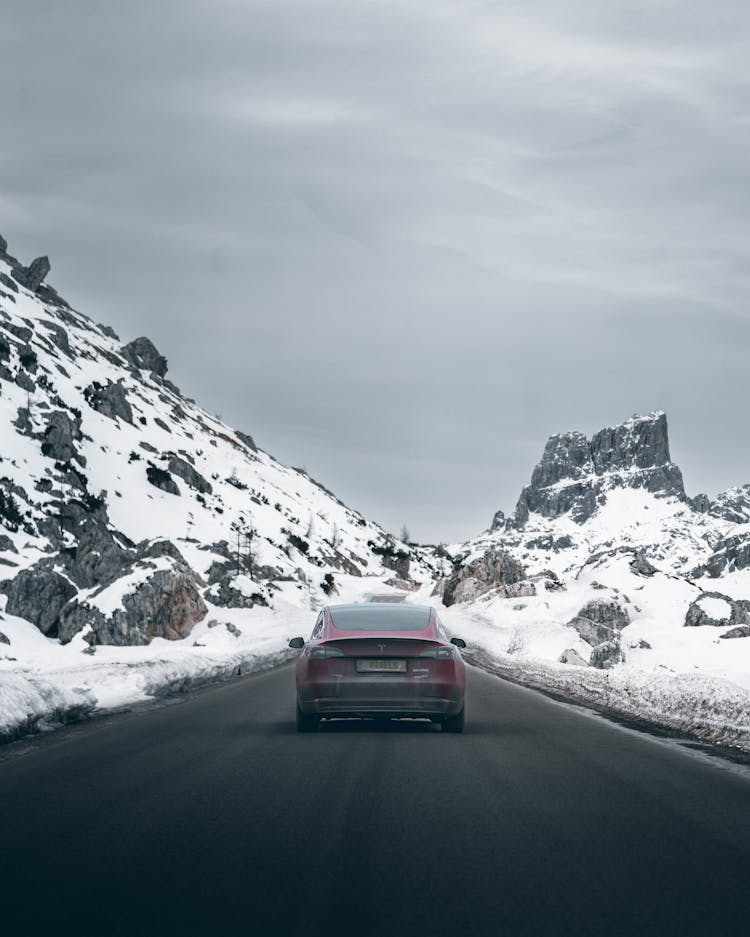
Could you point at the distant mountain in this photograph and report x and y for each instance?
(127, 511)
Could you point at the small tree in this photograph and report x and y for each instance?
(405, 535)
(335, 537)
(249, 551)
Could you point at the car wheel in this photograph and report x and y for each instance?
(454, 723)
(306, 723)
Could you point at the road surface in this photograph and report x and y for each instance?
(213, 816)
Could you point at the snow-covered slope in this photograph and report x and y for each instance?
(131, 516)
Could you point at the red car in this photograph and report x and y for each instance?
(380, 661)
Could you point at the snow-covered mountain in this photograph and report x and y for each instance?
(607, 563)
(128, 512)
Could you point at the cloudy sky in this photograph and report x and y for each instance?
(402, 242)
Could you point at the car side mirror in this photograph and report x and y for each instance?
(297, 643)
(459, 642)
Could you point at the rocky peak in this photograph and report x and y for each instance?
(574, 473)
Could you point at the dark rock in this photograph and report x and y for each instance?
(643, 645)
(741, 631)
(159, 422)
(495, 568)
(162, 480)
(641, 566)
(23, 422)
(730, 554)
(3, 245)
(31, 277)
(111, 400)
(25, 381)
(732, 505)
(592, 632)
(599, 621)
(166, 604)
(141, 353)
(60, 436)
(7, 282)
(605, 612)
(38, 594)
(574, 474)
(607, 655)
(187, 473)
(59, 335)
(499, 521)
(21, 332)
(4, 639)
(154, 549)
(109, 331)
(147, 446)
(28, 359)
(7, 545)
(701, 503)
(697, 615)
(247, 440)
(226, 595)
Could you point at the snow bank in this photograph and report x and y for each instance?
(697, 706)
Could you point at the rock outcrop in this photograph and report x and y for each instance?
(187, 473)
(600, 620)
(111, 400)
(32, 276)
(717, 610)
(164, 604)
(574, 473)
(142, 354)
(495, 569)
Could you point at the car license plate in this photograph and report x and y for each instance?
(381, 666)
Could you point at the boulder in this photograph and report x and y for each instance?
(599, 621)
(38, 594)
(4, 639)
(494, 568)
(32, 276)
(162, 480)
(607, 654)
(110, 400)
(141, 353)
(187, 473)
(571, 656)
(246, 439)
(164, 604)
(717, 610)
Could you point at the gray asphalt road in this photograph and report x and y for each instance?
(213, 816)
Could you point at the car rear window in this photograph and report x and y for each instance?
(381, 618)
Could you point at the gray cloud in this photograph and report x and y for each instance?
(402, 242)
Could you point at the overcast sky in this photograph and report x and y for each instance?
(402, 242)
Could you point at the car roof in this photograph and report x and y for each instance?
(379, 607)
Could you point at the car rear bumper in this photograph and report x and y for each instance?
(381, 697)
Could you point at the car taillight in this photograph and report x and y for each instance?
(320, 651)
(441, 653)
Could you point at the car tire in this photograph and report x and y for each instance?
(306, 723)
(454, 723)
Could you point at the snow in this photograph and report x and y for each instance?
(718, 609)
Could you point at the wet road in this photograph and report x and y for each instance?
(213, 816)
